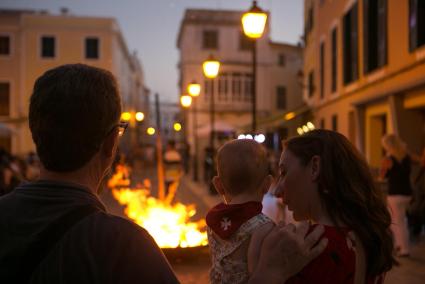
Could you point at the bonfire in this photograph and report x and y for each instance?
(168, 222)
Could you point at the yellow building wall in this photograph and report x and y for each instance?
(403, 71)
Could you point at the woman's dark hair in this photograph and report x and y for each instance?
(349, 193)
(72, 108)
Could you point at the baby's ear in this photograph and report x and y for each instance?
(218, 185)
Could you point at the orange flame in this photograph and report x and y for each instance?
(167, 223)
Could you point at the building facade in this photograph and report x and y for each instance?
(31, 42)
(364, 65)
(219, 33)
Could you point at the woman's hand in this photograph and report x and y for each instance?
(287, 250)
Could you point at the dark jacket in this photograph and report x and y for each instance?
(101, 248)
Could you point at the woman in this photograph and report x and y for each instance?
(396, 167)
(324, 179)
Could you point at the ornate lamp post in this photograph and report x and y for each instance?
(253, 23)
(211, 67)
(194, 89)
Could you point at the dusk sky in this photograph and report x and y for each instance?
(150, 27)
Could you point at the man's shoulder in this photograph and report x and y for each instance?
(105, 223)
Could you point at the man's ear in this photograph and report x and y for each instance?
(218, 185)
(109, 145)
(315, 167)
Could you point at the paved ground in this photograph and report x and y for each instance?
(192, 267)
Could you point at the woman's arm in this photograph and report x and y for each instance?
(254, 249)
(285, 251)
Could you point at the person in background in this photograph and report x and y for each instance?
(173, 165)
(396, 168)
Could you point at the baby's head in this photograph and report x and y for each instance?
(242, 168)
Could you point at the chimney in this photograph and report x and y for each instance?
(64, 11)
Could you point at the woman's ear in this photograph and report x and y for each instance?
(315, 167)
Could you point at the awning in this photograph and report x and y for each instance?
(280, 118)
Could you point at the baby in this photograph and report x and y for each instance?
(236, 228)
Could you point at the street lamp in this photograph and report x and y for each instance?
(150, 131)
(140, 116)
(194, 90)
(186, 101)
(177, 127)
(126, 116)
(211, 67)
(253, 23)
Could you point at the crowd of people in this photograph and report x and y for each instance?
(15, 170)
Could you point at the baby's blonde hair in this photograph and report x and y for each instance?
(242, 165)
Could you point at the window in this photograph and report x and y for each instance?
(248, 87)
(350, 45)
(309, 22)
(416, 24)
(210, 40)
(334, 65)
(322, 70)
(4, 99)
(310, 84)
(222, 87)
(281, 97)
(334, 122)
(48, 47)
(4, 45)
(374, 34)
(281, 59)
(92, 48)
(244, 42)
(236, 87)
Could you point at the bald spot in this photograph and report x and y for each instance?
(242, 165)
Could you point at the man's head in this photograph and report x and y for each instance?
(242, 168)
(73, 110)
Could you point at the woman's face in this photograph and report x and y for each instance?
(296, 185)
